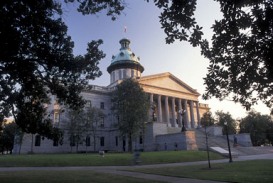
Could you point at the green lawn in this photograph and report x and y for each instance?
(241, 172)
(110, 159)
(66, 177)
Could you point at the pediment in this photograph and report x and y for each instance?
(167, 81)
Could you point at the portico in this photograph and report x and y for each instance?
(170, 97)
(166, 111)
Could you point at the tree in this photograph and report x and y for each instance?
(75, 128)
(130, 105)
(83, 124)
(94, 120)
(36, 60)
(226, 118)
(7, 137)
(207, 119)
(259, 126)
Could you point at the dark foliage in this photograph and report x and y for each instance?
(36, 60)
(226, 118)
(7, 137)
(259, 126)
(113, 7)
(207, 119)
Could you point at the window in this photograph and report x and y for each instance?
(140, 139)
(102, 105)
(87, 141)
(120, 74)
(116, 140)
(37, 140)
(102, 141)
(125, 73)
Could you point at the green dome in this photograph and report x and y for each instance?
(125, 58)
(125, 53)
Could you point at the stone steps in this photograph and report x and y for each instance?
(213, 141)
(220, 141)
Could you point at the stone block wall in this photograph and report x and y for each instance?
(243, 139)
(175, 141)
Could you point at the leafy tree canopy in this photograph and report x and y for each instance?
(207, 119)
(226, 118)
(36, 60)
(259, 126)
(130, 105)
(7, 137)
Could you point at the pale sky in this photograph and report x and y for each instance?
(148, 42)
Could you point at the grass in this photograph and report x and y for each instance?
(110, 159)
(241, 172)
(66, 177)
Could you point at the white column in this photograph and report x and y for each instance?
(192, 115)
(167, 111)
(151, 113)
(179, 115)
(186, 115)
(159, 110)
(173, 113)
(198, 114)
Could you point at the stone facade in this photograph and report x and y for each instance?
(173, 102)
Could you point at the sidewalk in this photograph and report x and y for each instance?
(125, 170)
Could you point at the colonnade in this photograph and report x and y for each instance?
(166, 110)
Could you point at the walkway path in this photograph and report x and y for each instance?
(125, 170)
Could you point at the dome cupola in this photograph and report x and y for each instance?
(125, 64)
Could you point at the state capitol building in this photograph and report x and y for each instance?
(168, 94)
